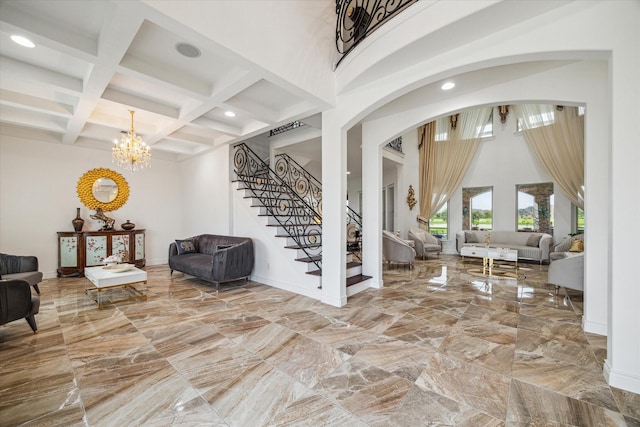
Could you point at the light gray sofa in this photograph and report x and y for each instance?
(213, 258)
(530, 246)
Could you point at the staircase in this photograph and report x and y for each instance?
(291, 200)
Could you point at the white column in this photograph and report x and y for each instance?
(334, 196)
(597, 182)
(622, 366)
(372, 208)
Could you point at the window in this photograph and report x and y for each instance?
(477, 208)
(388, 208)
(579, 220)
(438, 223)
(443, 125)
(535, 207)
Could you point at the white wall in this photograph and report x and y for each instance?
(38, 198)
(205, 194)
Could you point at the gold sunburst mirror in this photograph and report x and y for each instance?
(103, 188)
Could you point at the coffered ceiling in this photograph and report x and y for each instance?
(93, 61)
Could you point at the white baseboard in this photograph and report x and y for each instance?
(619, 379)
(594, 327)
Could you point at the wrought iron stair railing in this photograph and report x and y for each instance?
(307, 186)
(293, 213)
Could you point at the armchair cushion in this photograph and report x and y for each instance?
(577, 246)
(534, 239)
(186, 246)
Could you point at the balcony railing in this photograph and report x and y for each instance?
(359, 18)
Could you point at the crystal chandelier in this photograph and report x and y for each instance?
(131, 153)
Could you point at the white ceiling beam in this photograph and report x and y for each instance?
(12, 68)
(32, 103)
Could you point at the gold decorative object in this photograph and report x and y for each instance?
(411, 200)
(487, 239)
(503, 111)
(86, 184)
(454, 120)
(107, 221)
(132, 153)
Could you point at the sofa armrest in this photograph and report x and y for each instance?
(173, 250)
(545, 244)
(461, 239)
(233, 262)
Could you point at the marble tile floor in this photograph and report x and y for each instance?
(438, 345)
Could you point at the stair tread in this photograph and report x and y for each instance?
(357, 279)
(310, 245)
(310, 259)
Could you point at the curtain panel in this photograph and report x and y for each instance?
(556, 139)
(443, 163)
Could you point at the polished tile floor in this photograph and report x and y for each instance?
(439, 345)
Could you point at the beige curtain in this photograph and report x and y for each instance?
(443, 164)
(556, 139)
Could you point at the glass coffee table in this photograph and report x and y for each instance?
(112, 284)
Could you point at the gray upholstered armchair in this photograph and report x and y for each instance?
(566, 268)
(425, 242)
(394, 249)
(567, 272)
(20, 267)
(16, 302)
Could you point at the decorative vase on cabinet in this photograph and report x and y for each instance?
(78, 222)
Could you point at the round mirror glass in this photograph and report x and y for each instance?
(105, 190)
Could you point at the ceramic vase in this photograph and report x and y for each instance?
(128, 225)
(77, 222)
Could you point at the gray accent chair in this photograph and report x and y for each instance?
(425, 242)
(566, 269)
(394, 249)
(216, 259)
(16, 302)
(21, 267)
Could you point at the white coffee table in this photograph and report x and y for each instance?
(488, 255)
(104, 284)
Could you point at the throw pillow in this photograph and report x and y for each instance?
(577, 246)
(470, 237)
(187, 246)
(534, 240)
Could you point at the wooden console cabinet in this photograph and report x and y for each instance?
(77, 250)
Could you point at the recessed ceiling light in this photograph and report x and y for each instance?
(229, 114)
(23, 41)
(188, 50)
(348, 172)
(448, 85)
